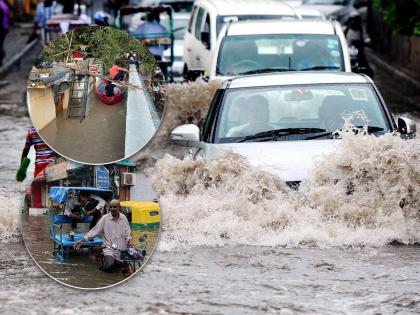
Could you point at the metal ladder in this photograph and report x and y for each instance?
(79, 85)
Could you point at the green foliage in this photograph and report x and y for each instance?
(403, 16)
(106, 43)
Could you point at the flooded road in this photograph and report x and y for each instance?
(104, 126)
(218, 255)
(80, 270)
(231, 280)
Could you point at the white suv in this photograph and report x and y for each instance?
(208, 18)
(284, 122)
(251, 47)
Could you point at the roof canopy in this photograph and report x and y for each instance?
(59, 194)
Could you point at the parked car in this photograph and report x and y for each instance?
(265, 46)
(339, 9)
(283, 122)
(208, 18)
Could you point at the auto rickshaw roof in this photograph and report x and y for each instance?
(140, 205)
(59, 194)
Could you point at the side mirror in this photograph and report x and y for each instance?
(185, 133)
(406, 126)
(205, 39)
(193, 74)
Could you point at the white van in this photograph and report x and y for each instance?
(209, 16)
(251, 47)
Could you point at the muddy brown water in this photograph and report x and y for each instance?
(99, 138)
(80, 270)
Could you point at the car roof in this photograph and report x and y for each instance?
(302, 11)
(247, 7)
(256, 27)
(294, 78)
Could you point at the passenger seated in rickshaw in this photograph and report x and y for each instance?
(86, 204)
(116, 234)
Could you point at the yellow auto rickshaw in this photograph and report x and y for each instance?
(144, 214)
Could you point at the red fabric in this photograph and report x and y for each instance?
(36, 195)
(39, 172)
(114, 71)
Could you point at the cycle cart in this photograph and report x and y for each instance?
(133, 257)
(62, 242)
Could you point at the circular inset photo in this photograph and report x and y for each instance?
(90, 226)
(94, 95)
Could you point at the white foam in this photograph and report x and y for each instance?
(226, 201)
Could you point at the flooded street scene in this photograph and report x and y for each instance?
(296, 217)
(80, 270)
(93, 92)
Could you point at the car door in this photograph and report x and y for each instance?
(190, 41)
(203, 56)
(196, 49)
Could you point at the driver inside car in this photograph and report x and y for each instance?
(256, 114)
(241, 57)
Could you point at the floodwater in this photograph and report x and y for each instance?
(102, 129)
(80, 270)
(231, 244)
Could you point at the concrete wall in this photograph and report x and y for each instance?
(140, 126)
(143, 190)
(41, 106)
(402, 51)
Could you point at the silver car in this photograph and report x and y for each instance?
(283, 122)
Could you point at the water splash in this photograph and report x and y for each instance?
(185, 103)
(227, 201)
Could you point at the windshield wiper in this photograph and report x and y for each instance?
(274, 134)
(371, 128)
(320, 68)
(332, 134)
(323, 134)
(265, 70)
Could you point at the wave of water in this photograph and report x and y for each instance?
(12, 139)
(227, 201)
(185, 103)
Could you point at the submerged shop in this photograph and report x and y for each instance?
(118, 177)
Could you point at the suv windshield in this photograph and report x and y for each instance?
(297, 112)
(247, 54)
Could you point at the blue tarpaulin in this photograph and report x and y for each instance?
(59, 194)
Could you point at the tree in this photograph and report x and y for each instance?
(403, 16)
(105, 43)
